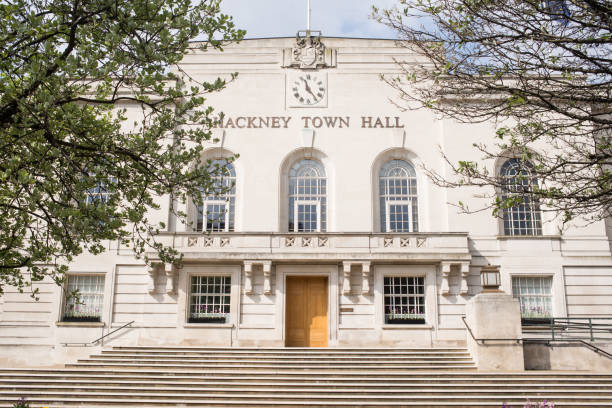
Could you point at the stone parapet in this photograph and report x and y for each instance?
(433, 247)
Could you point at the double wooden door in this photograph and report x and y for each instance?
(306, 311)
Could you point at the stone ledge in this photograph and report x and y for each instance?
(80, 324)
(209, 325)
(407, 327)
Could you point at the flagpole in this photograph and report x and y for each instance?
(308, 20)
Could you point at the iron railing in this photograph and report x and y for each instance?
(567, 328)
(99, 339)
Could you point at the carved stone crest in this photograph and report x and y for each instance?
(308, 53)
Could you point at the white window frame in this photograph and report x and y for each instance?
(407, 276)
(228, 316)
(296, 203)
(205, 204)
(551, 295)
(388, 204)
(65, 293)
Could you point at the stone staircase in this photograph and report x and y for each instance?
(293, 377)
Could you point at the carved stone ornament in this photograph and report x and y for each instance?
(308, 53)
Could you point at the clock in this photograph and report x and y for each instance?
(307, 89)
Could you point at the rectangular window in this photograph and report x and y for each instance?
(84, 298)
(404, 299)
(209, 299)
(100, 194)
(534, 295)
(399, 216)
(308, 216)
(216, 216)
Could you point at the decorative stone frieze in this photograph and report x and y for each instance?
(354, 247)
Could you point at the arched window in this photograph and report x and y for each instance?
(307, 197)
(216, 213)
(398, 197)
(517, 182)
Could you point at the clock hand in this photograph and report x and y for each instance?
(308, 88)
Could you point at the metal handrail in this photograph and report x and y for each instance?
(94, 342)
(485, 340)
(572, 327)
(547, 341)
(584, 343)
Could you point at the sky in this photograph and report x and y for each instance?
(283, 18)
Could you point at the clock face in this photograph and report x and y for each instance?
(308, 89)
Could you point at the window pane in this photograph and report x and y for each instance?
(397, 182)
(534, 295)
(206, 305)
(523, 218)
(404, 300)
(307, 183)
(219, 204)
(84, 297)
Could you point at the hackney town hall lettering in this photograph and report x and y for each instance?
(317, 122)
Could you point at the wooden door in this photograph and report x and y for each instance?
(306, 311)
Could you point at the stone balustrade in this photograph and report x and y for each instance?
(321, 246)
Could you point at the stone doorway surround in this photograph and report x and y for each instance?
(329, 271)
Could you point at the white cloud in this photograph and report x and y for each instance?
(283, 18)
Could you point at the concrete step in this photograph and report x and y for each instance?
(181, 366)
(290, 354)
(299, 376)
(97, 399)
(136, 377)
(289, 350)
(296, 392)
(280, 362)
(224, 383)
(280, 357)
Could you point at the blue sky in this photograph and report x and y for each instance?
(335, 18)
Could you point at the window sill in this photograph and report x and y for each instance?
(209, 325)
(407, 326)
(79, 324)
(518, 237)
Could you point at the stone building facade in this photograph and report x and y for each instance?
(332, 234)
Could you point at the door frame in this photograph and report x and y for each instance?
(329, 271)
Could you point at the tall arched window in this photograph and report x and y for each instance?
(518, 181)
(307, 197)
(216, 214)
(399, 210)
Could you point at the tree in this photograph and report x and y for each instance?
(541, 70)
(74, 171)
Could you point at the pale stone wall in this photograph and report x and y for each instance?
(448, 252)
